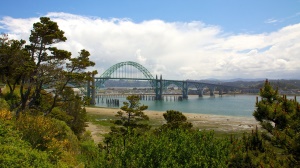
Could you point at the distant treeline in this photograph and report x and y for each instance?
(280, 84)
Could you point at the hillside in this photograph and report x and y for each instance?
(282, 84)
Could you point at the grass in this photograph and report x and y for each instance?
(108, 120)
(224, 134)
(100, 120)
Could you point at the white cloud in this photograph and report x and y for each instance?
(176, 50)
(271, 21)
(285, 19)
(139, 57)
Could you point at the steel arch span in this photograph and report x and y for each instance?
(122, 69)
(116, 67)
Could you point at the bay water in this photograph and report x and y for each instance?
(230, 105)
(238, 105)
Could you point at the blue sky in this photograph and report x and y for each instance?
(231, 15)
(230, 33)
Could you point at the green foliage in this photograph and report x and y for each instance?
(134, 111)
(252, 151)
(3, 105)
(133, 114)
(47, 134)
(72, 106)
(39, 65)
(175, 120)
(12, 99)
(174, 116)
(15, 64)
(91, 154)
(16, 152)
(280, 118)
(130, 122)
(46, 32)
(59, 114)
(173, 148)
(14, 61)
(12, 156)
(43, 119)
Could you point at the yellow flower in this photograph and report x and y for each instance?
(5, 114)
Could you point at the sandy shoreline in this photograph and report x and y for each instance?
(201, 121)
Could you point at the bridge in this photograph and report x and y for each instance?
(134, 71)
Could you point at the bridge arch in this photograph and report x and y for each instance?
(114, 68)
(123, 67)
(157, 84)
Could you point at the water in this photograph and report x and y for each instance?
(230, 105)
(241, 105)
(238, 105)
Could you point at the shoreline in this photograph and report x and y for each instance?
(157, 111)
(201, 121)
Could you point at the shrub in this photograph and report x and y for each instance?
(3, 104)
(91, 155)
(16, 152)
(175, 120)
(48, 134)
(5, 114)
(171, 148)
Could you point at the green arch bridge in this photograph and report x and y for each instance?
(134, 71)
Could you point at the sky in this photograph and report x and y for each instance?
(177, 39)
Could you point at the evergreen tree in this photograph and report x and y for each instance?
(15, 64)
(280, 117)
(39, 65)
(132, 113)
(176, 120)
(131, 119)
(72, 106)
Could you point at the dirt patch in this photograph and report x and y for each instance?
(222, 123)
(97, 132)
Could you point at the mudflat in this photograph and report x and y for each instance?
(199, 121)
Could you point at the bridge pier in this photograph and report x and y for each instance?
(220, 92)
(91, 90)
(200, 93)
(158, 88)
(211, 92)
(93, 101)
(88, 89)
(184, 90)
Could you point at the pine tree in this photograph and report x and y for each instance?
(175, 120)
(40, 65)
(131, 121)
(280, 117)
(132, 113)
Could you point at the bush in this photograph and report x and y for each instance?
(175, 120)
(16, 152)
(59, 114)
(12, 99)
(171, 148)
(3, 104)
(91, 155)
(5, 114)
(51, 135)
(13, 156)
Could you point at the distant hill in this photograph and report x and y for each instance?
(238, 82)
(280, 84)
